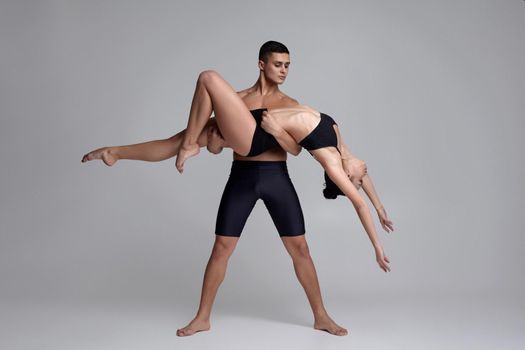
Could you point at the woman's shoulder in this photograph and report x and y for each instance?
(309, 109)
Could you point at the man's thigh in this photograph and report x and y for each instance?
(237, 201)
(283, 204)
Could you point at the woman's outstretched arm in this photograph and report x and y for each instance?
(331, 162)
(367, 184)
(368, 187)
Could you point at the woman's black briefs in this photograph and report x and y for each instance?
(322, 136)
(261, 141)
(253, 180)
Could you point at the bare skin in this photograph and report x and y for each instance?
(305, 272)
(237, 127)
(213, 277)
(264, 93)
(151, 151)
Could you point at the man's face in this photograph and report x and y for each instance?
(275, 69)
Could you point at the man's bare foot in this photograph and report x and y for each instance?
(328, 325)
(107, 155)
(186, 152)
(194, 327)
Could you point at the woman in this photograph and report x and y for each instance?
(159, 150)
(242, 131)
(315, 131)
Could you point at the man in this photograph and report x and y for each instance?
(274, 61)
(239, 197)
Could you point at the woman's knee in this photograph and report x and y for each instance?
(208, 77)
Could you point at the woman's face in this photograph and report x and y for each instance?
(356, 169)
(357, 182)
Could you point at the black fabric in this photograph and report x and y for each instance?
(322, 136)
(331, 190)
(253, 180)
(261, 141)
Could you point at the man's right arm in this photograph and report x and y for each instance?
(285, 140)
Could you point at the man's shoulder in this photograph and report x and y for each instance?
(245, 92)
(288, 101)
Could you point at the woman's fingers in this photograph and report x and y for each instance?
(383, 264)
(386, 226)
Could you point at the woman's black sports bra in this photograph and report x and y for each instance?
(323, 135)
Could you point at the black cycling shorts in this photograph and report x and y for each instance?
(253, 180)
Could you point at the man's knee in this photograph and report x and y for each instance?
(223, 247)
(298, 248)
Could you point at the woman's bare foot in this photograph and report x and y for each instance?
(194, 327)
(328, 325)
(107, 154)
(186, 152)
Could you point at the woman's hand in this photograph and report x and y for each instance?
(382, 259)
(388, 225)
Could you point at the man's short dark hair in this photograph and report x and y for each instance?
(270, 47)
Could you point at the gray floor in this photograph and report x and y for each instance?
(397, 323)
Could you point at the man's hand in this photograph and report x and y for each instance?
(270, 125)
(215, 140)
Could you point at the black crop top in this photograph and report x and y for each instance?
(322, 136)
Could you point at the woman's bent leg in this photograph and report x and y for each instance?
(233, 117)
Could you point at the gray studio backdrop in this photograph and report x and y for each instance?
(430, 93)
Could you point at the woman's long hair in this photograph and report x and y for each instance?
(331, 191)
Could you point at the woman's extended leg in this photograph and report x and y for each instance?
(151, 151)
(233, 117)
